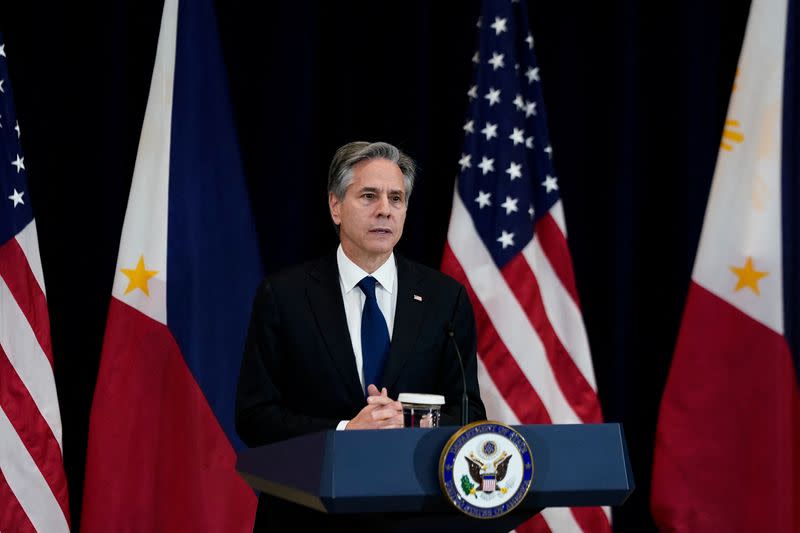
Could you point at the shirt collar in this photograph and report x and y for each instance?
(350, 273)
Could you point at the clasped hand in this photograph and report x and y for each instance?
(381, 412)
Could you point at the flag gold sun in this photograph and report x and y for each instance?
(730, 134)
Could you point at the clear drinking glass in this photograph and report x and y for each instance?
(421, 410)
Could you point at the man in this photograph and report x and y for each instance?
(332, 342)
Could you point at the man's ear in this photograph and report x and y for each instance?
(335, 205)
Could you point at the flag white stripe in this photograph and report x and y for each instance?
(29, 242)
(558, 519)
(561, 520)
(561, 310)
(144, 231)
(509, 319)
(27, 483)
(496, 406)
(28, 359)
(557, 212)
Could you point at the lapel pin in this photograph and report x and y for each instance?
(417, 297)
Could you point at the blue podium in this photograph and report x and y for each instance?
(393, 474)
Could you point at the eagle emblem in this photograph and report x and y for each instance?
(486, 469)
(488, 474)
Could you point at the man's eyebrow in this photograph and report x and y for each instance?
(378, 189)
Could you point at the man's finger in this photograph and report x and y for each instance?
(384, 413)
(372, 390)
(384, 392)
(391, 423)
(380, 400)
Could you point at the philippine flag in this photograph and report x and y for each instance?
(727, 454)
(162, 444)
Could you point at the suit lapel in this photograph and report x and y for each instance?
(407, 319)
(325, 297)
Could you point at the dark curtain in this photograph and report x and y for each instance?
(636, 95)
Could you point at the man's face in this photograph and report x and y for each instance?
(372, 213)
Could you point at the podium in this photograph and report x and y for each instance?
(393, 474)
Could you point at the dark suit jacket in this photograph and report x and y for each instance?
(299, 375)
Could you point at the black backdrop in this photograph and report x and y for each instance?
(636, 95)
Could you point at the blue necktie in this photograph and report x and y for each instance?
(374, 335)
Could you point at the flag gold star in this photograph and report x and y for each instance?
(138, 277)
(748, 276)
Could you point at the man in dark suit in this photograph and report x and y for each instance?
(333, 341)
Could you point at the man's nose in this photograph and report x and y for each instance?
(384, 205)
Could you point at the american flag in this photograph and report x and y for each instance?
(507, 244)
(33, 487)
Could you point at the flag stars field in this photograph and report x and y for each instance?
(518, 136)
(138, 277)
(510, 205)
(514, 170)
(17, 197)
(506, 239)
(550, 183)
(483, 199)
(490, 130)
(486, 165)
(748, 276)
(497, 60)
(19, 163)
(493, 96)
(499, 25)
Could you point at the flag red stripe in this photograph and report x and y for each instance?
(33, 431)
(536, 524)
(12, 515)
(168, 456)
(500, 363)
(580, 395)
(591, 519)
(555, 248)
(727, 451)
(17, 273)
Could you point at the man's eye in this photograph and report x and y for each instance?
(368, 195)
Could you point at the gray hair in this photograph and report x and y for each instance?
(340, 174)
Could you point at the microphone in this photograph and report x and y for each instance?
(464, 401)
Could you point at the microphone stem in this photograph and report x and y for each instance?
(464, 398)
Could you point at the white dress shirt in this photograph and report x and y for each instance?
(385, 292)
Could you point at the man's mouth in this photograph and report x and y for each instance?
(381, 231)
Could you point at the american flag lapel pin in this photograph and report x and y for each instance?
(417, 297)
